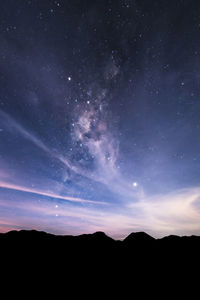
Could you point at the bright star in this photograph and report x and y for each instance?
(135, 184)
(69, 78)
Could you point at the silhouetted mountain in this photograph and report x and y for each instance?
(98, 242)
(138, 237)
(26, 235)
(96, 258)
(98, 237)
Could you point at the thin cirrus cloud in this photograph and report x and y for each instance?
(172, 213)
(9, 186)
(106, 171)
(12, 124)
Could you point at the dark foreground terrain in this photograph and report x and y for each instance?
(95, 261)
(98, 248)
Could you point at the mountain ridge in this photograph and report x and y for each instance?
(138, 253)
(133, 236)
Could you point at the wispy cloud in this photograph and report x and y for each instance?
(91, 130)
(174, 213)
(11, 124)
(9, 186)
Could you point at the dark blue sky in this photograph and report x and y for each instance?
(100, 116)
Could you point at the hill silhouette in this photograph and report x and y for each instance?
(99, 237)
(138, 237)
(99, 243)
(96, 261)
(138, 253)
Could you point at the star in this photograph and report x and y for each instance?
(135, 184)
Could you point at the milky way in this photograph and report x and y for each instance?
(100, 116)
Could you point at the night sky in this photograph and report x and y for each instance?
(100, 116)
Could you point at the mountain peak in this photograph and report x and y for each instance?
(138, 237)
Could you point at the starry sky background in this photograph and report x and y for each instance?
(100, 116)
